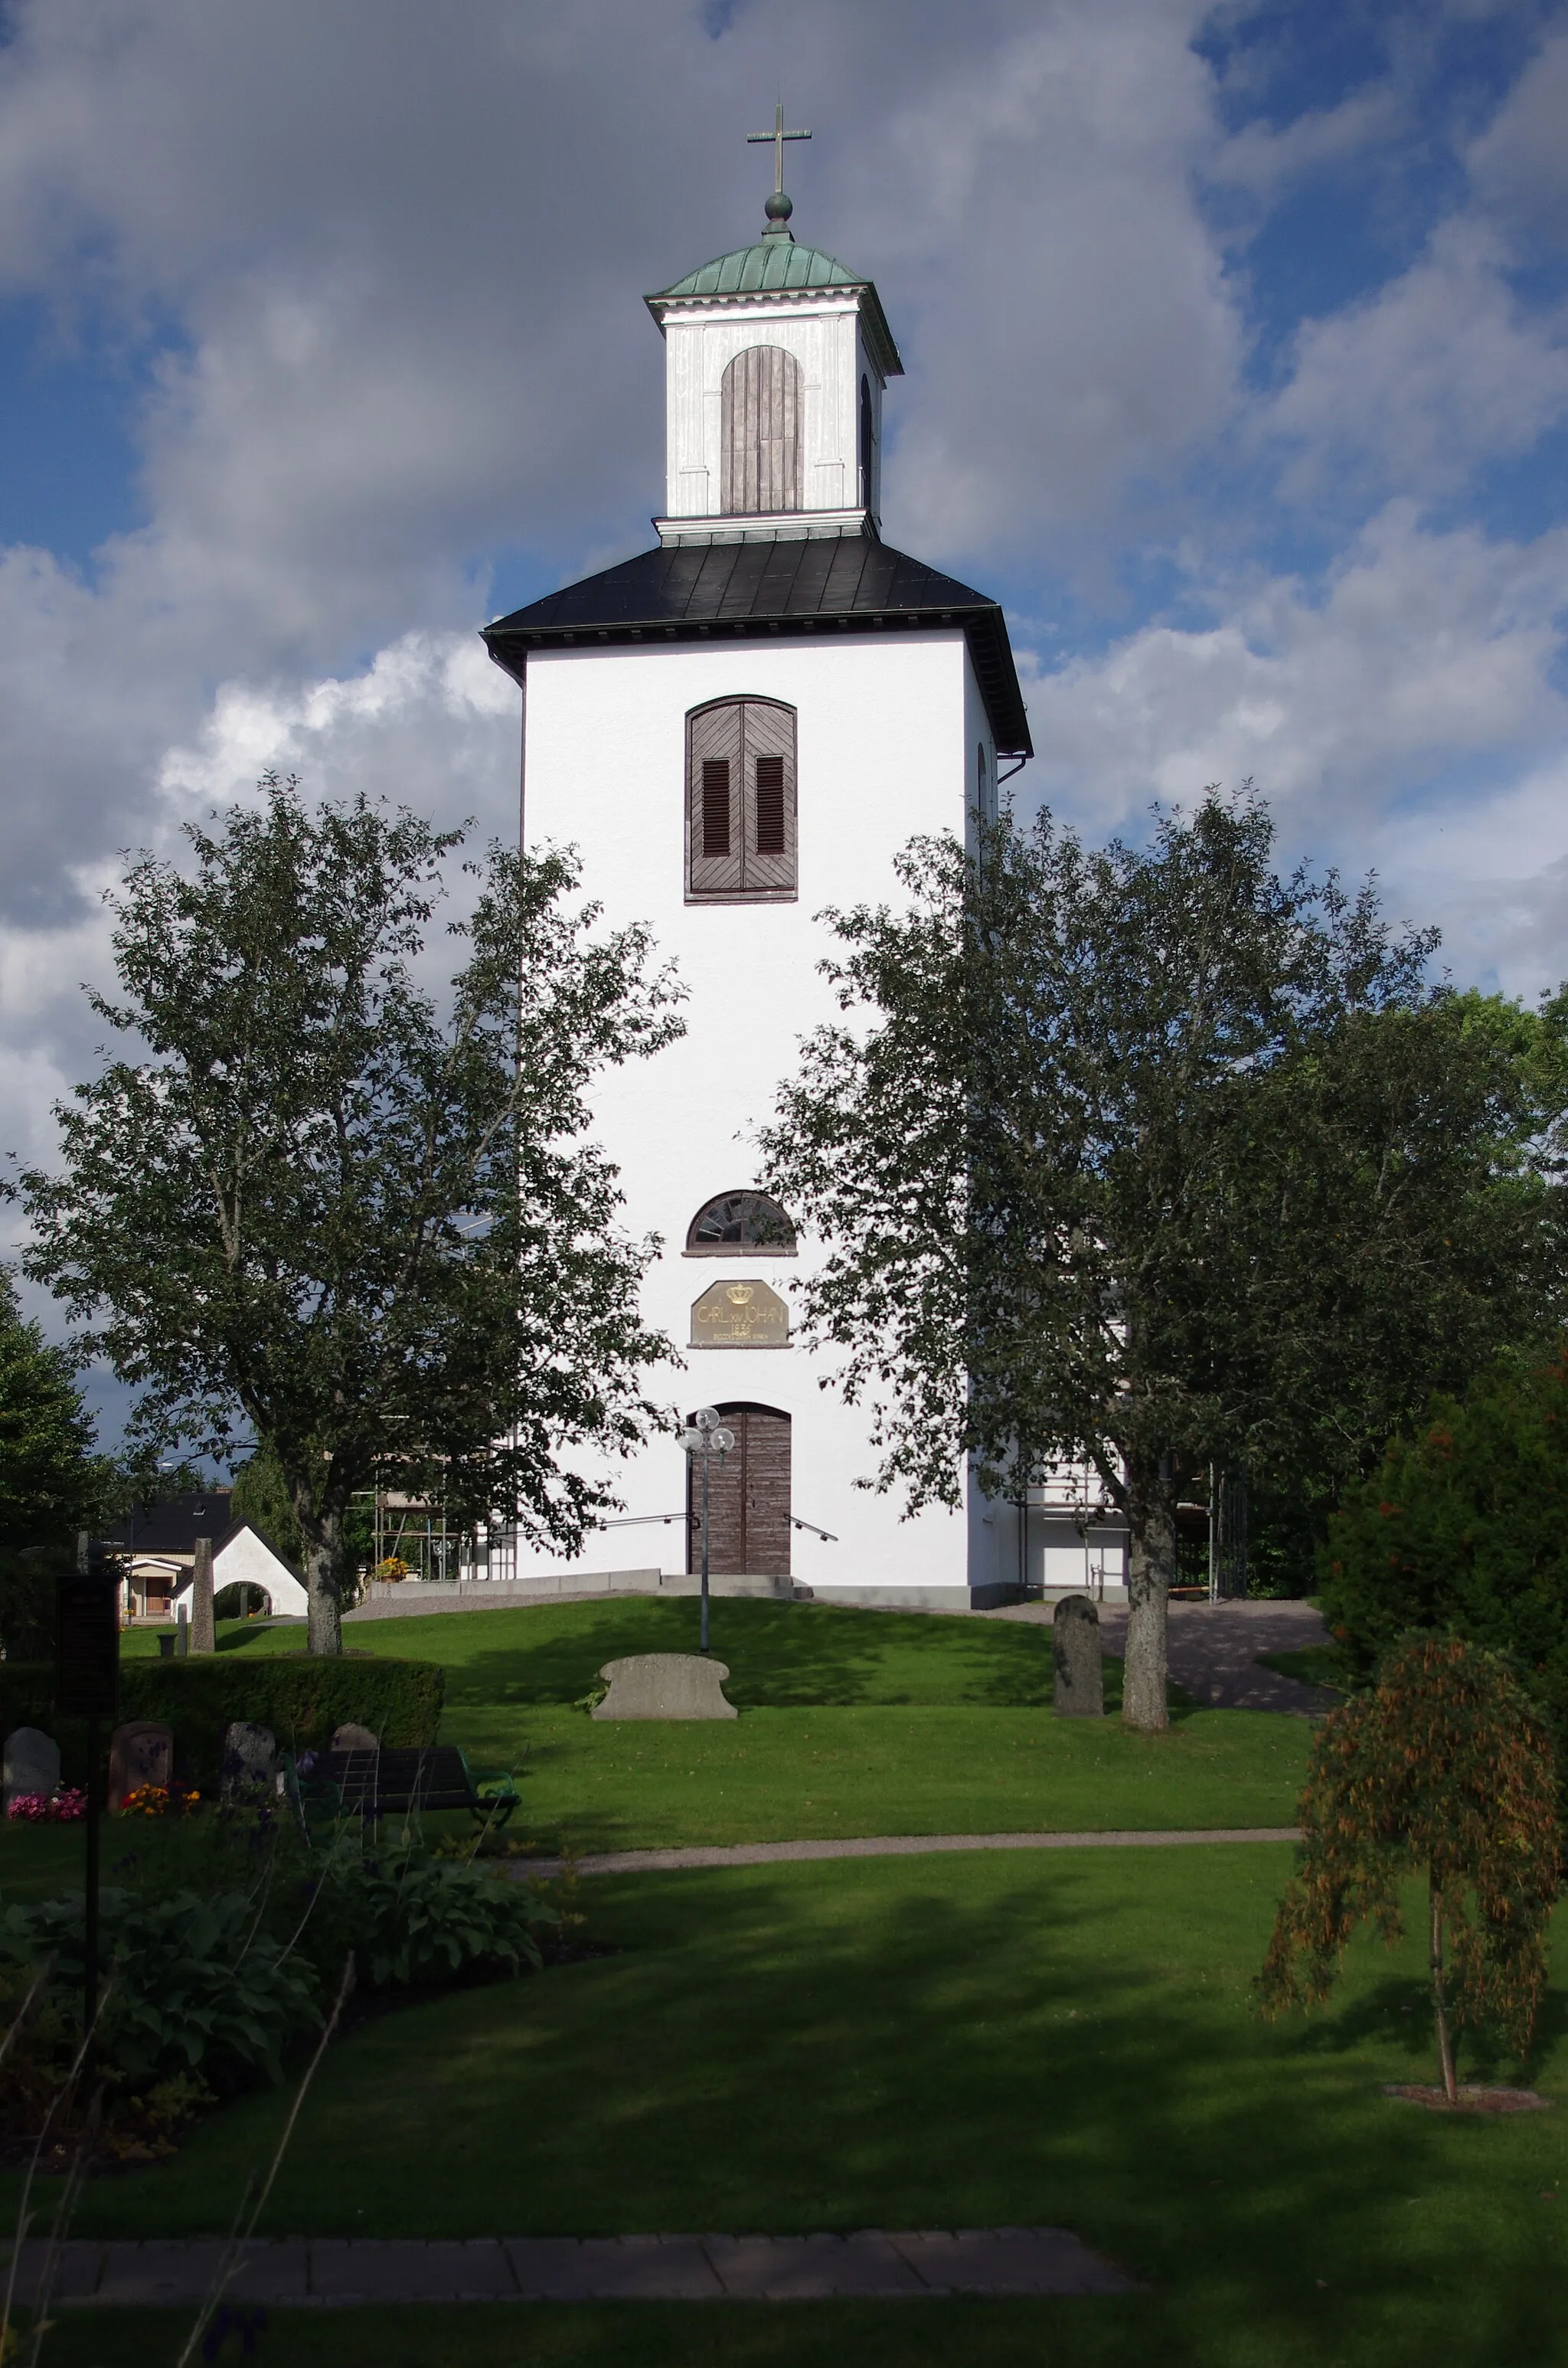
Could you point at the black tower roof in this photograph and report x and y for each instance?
(754, 591)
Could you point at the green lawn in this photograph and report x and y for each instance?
(946, 2042)
(851, 1723)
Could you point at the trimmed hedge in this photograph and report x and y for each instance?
(302, 1698)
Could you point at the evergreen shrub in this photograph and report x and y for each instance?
(302, 1698)
(1463, 1531)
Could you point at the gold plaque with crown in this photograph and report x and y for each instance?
(740, 1316)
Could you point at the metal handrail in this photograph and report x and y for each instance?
(796, 1523)
(641, 1521)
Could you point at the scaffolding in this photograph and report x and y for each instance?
(413, 1530)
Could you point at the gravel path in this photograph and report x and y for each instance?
(656, 1862)
(329, 2271)
(1214, 1649)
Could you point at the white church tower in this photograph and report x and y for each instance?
(736, 729)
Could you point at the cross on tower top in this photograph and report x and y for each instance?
(778, 208)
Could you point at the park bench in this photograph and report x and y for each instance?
(390, 1780)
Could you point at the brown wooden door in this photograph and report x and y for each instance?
(759, 468)
(748, 1500)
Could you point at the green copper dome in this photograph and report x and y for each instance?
(771, 262)
(778, 265)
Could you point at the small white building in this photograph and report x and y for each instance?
(736, 729)
(157, 1544)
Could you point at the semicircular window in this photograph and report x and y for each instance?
(741, 1225)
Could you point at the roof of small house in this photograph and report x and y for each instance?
(724, 591)
(173, 1525)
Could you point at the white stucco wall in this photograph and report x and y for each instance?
(248, 1557)
(887, 731)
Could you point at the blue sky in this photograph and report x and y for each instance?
(1237, 349)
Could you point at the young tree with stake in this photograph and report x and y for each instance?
(311, 1197)
(1148, 1158)
(1444, 1772)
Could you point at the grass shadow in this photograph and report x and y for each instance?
(948, 2044)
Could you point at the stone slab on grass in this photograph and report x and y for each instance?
(345, 2270)
(599, 2269)
(1009, 2261)
(390, 2268)
(807, 2269)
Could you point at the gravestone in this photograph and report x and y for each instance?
(664, 1685)
(1080, 1662)
(355, 1738)
(250, 1757)
(32, 1765)
(203, 1635)
(140, 1753)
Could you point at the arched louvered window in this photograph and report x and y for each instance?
(740, 802)
(865, 441)
(740, 1224)
(760, 471)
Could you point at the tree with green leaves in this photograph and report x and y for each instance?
(317, 1198)
(1444, 1772)
(1462, 1529)
(1147, 1158)
(261, 1495)
(52, 1484)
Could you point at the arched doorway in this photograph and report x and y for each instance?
(748, 1499)
(760, 414)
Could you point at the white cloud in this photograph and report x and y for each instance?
(431, 722)
(1407, 719)
(1519, 167)
(1264, 158)
(1442, 370)
(1073, 338)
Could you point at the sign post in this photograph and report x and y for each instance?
(86, 1685)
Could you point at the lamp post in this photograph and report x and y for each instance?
(706, 1437)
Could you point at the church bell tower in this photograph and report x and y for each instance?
(737, 728)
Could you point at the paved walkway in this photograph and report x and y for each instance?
(326, 2269)
(653, 1862)
(1213, 1650)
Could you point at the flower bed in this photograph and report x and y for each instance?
(65, 1807)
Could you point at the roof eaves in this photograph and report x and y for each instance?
(874, 321)
(982, 624)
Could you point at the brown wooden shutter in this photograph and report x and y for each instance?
(713, 820)
(769, 805)
(715, 805)
(769, 801)
(760, 451)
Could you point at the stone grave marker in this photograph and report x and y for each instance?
(250, 1757)
(355, 1738)
(139, 1753)
(32, 1765)
(1079, 1659)
(664, 1685)
(203, 1633)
